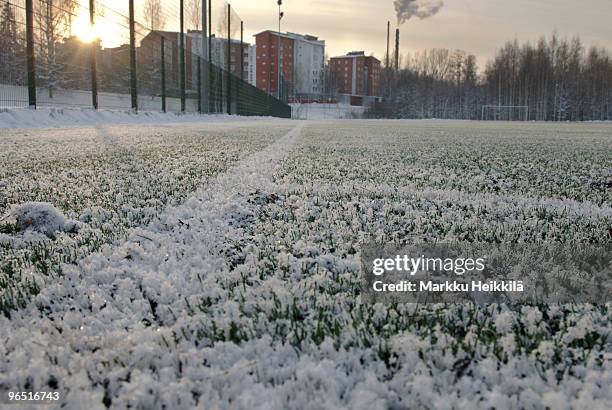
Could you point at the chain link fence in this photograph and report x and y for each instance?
(154, 55)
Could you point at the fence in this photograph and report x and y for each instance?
(165, 55)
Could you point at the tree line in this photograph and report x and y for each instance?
(557, 79)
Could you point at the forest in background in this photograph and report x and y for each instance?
(558, 79)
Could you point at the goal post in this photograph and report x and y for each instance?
(505, 113)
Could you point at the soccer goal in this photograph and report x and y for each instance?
(505, 113)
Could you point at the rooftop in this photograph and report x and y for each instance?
(295, 36)
(356, 54)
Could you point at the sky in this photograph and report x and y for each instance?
(476, 26)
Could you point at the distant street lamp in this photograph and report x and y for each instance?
(278, 66)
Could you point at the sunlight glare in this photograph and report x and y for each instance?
(82, 28)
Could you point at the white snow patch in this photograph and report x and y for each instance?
(65, 117)
(40, 217)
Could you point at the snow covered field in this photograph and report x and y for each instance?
(219, 267)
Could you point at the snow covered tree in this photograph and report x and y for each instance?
(52, 20)
(11, 48)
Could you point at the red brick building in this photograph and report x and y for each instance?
(303, 63)
(267, 60)
(355, 74)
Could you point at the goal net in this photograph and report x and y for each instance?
(505, 113)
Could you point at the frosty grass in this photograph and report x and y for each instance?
(245, 293)
(109, 179)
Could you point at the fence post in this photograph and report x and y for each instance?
(30, 54)
(94, 70)
(229, 59)
(133, 80)
(199, 75)
(239, 101)
(204, 96)
(210, 72)
(242, 50)
(182, 54)
(163, 73)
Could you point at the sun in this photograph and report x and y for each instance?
(106, 29)
(82, 28)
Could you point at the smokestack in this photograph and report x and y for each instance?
(388, 40)
(397, 36)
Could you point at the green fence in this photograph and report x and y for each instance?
(153, 55)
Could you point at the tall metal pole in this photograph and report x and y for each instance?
(133, 81)
(229, 59)
(94, 44)
(388, 40)
(279, 62)
(205, 51)
(209, 31)
(30, 54)
(182, 54)
(199, 79)
(242, 50)
(163, 73)
(238, 101)
(210, 66)
(397, 39)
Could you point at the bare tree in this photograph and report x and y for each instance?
(557, 79)
(154, 15)
(193, 12)
(222, 22)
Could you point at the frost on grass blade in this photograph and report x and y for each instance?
(110, 179)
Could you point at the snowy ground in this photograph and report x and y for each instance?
(17, 97)
(315, 111)
(246, 295)
(70, 117)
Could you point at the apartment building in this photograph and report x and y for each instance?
(302, 63)
(355, 74)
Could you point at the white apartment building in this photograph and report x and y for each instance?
(309, 65)
(252, 67)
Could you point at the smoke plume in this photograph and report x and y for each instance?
(406, 9)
